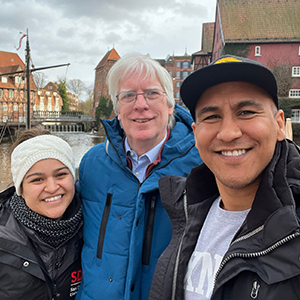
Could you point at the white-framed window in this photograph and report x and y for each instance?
(16, 107)
(42, 101)
(49, 106)
(1, 93)
(39, 93)
(10, 93)
(5, 118)
(177, 95)
(17, 79)
(185, 65)
(178, 64)
(296, 71)
(3, 79)
(294, 93)
(24, 108)
(178, 83)
(178, 74)
(295, 115)
(170, 72)
(5, 107)
(257, 51)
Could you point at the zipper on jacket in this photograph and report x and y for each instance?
(255, 254)
(104, 222)
(149, 232)
(179, 248)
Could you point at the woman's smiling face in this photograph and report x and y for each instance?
(48, 188)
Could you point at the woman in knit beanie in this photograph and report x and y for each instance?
(40, 221)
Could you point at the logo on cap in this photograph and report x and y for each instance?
(227, 59)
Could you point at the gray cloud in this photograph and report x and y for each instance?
(81, 32)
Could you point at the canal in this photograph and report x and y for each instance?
(80, 142)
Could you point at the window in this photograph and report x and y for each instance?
(170, 72)
(10, 93)
(16, 107)
(178, 74)
(185, 74)
(294, 93)
(4, 79)
(257, 51)
(24, 108)
(296, 72)
(295, 115)
(178, 83)
(5, 107)
(1, 93)
(17, 79)
(178, 64)
(186, 65)
(299, 51)
(177, 95)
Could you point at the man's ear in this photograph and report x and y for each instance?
(194, 129)
(280, 122)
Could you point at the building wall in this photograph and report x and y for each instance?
(179, 67)
(100, 86)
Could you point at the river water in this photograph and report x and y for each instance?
(80, 143)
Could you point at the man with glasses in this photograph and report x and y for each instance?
(126, 227)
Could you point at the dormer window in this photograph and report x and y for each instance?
(257, 51)
(3, 79)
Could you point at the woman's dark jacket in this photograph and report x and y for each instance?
(263, 260)
(23, 274)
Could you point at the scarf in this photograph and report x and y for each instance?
(52, 232)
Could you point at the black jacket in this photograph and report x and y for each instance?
(23, 273)
(263, 260)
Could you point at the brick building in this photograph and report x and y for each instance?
(13, 101)
(267, 31)
(179, 67)
(100, 86)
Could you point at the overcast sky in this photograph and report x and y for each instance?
(81, 32)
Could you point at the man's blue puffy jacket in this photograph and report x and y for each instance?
(126, 227)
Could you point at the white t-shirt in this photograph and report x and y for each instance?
(215, 237)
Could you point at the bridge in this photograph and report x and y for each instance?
(53, 121)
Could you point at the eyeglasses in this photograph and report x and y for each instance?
(152, 96)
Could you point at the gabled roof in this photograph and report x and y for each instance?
(11, 62)
(110, 55)
(9, 59)
(207, 36)
(260, 20)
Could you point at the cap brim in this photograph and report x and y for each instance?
(195, 84)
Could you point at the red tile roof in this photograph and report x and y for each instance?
(11, 62)
(260, 20)
(110, 55)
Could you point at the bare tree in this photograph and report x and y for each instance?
(282, 73)
(87, 106)
(76, 86)
(40, 79)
